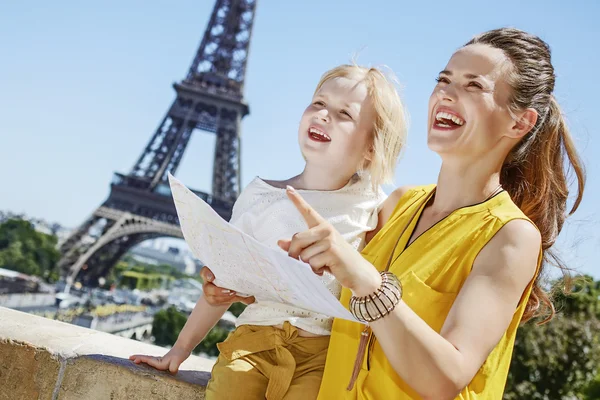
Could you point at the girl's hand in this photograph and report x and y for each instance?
(218, 296)
(324, 249)
(170, 361)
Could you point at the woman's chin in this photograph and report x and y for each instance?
(439, 144)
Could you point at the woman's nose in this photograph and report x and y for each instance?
(447, 93)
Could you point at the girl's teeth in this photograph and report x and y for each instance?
(319, 133)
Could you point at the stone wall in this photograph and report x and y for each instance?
(46, 359)
(21, 300)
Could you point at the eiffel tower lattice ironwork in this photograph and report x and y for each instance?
(139, 206)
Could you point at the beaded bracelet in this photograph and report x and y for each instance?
(379, 304)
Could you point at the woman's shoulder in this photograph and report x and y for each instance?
(412, 190)
(505, 210)
(393, 203)
(398, 193)
(512, 256)
(398, 196)
(520, 230)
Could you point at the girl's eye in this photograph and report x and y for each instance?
(442, 79)
(319, 103)
(475, 84)
(346, 113)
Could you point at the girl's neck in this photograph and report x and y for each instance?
(316, 178)
(462, 184)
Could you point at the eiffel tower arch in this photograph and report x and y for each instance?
(139, 206)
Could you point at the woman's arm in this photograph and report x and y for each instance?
(437, 366)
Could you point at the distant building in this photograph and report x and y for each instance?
(173, 256)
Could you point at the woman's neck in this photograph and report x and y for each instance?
(462, 184)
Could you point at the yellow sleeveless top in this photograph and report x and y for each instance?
(432, 270)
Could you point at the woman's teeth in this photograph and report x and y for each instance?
(444, 117)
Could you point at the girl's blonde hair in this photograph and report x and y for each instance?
(389, 130)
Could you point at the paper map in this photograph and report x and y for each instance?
(241, 263)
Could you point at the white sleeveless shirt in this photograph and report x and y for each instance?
(265, 213)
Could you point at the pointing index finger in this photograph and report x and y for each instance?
(311, 217)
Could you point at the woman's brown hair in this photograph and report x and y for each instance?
(536, 171)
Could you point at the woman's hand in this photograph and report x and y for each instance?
(324, 249)
(170, 361)
(218, 296)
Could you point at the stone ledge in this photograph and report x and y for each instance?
(46, 359)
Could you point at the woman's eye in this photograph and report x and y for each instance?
(442, 79)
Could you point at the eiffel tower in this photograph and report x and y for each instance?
(139, 206)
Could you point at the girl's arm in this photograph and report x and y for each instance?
(203, 318)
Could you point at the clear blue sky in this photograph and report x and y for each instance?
(83, 86)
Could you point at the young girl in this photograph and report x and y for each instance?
(350, 136)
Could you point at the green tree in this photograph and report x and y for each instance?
(209, 344)
(560, 359)
(168, 324)
(592, 392)
(25, 250)
(237, 308)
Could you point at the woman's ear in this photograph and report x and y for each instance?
(524, 124)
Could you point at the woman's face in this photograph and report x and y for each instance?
(468, 109)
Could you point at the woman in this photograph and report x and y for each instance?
(467, 251)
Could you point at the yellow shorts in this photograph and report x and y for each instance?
(258, 362)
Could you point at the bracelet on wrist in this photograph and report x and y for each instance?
(380, 303)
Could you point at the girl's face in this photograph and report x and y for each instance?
(468, 109)
(335, 130)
